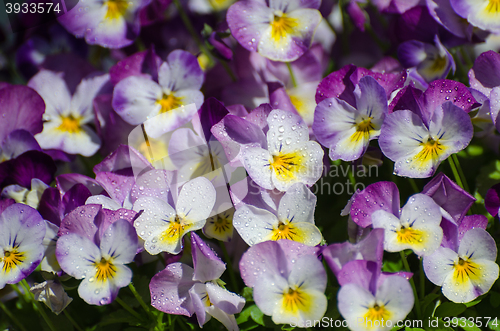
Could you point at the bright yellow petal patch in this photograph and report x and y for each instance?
(295, 300)
(169, 102)
(363, 131)
(409, 236)
(376, 313)
(431, 150)
(465, 270)
(493, 7)
(116, 9)
(176, 229)
(105, 270)
(282, 26)
(286, 231)
(70, 124)
(153, 149)
(286, 166)
(11, 258)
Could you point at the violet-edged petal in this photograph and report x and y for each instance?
(139, 64)
(16, 143)
(244, 132)
(256, 161)
(492, 200)
(370, 248)
(229, 321)
(49, 262)
(196, 201)
(417, 229)
(81, 221)
(377, 196)
(211, 112)
(21, 236)
(297, 205)
(119, 242)
(226, 301)
(207, 265)
(76, 255)
(45, 83)
(66, 181)
(485, 73)
(484, 14)
(170, 287)
(360, 272)
(447, 194)
(253, 224)
(184, 72)
(276, 257)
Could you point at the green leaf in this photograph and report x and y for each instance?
(429, 298)
(414, 329)
(495, 299)
(439, 326)
(120, 316)
(494, 324)
(257, 316)
(450, 309)
(473, 303)
(247, 294)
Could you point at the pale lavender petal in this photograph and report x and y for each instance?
(18, 142)
(120, 242)
(297, 205)
(66, 181)
(77, 255)
(227, 301)
(439, 265)
(377, 196)
(185, 72)
(198, 295)
(170, 289)
(308, 272)
(471, 222)
(243, 131)
(141, 63)
(207, 265)
(80, 221)
(360, 272)
(478, 244)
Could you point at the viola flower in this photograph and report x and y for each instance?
(291, 281)
(417, 228)
(294, 219)
(20, 194)
(279, 31)
(417, 147)
(52, 294)
(139, 98)
(102, 267)
(468, 272)
(21, 234)
(108, 23)
(347, 130)
(220, 226)
(67, 117)
(182, 290)
(290, 157)
(484, 14)
(369, 300)
(163, 227)
(427, 62)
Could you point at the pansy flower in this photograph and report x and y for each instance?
(465, 273)
(484, 14)
(278, 30)
(139, 98)
(294, 219)
(67, 117)
(108, 23)
(182, 290)
(290, 157)
(288, 281)
(347, 130)
(21, 234)
(100, 265)
(163, 227)
(417, 228)
(418, 147)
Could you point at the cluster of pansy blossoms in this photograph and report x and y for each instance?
(251, 164)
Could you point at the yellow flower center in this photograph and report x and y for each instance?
(175, 229)
(377, 313)
(493, 7)
(295, 300)
(285, 231)
(104, 270)
(281, 26)
(465, 270)
(431, 149)
(70, 124)
(409, 236)
(363, 130)
(116, 9)
(286, 165)
(11, 258)
(169, 102)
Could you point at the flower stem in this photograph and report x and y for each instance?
(422, 279)
(232, 276)
(292, 76)
(128, 308)
(192, 31)
(413, 185)
(68, 316)
(37, 306)
(412, 283)
(139, 299)
(12, 317)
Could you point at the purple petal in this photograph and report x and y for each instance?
(24, 168)
(358, 16)
(123, 160)
(471, 222)
(4, 203)
(105, 218)
(18, 142)
(450, 234)
(117, 186)
(80, 221)
(407, 98)
(492, 200)
(377, 196)
(75, 197)
(337, 85)
(207, 265)
(449, 196)
(211, 112)
(21, 108)
(275, 257)
(142, 63)
(360, 272)
(66, 181)
(244, 132)
(485, 73)
(227, 301)
(49, 206)
(185, 71)
(120, 242)
(170, 289)
(278, 97)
